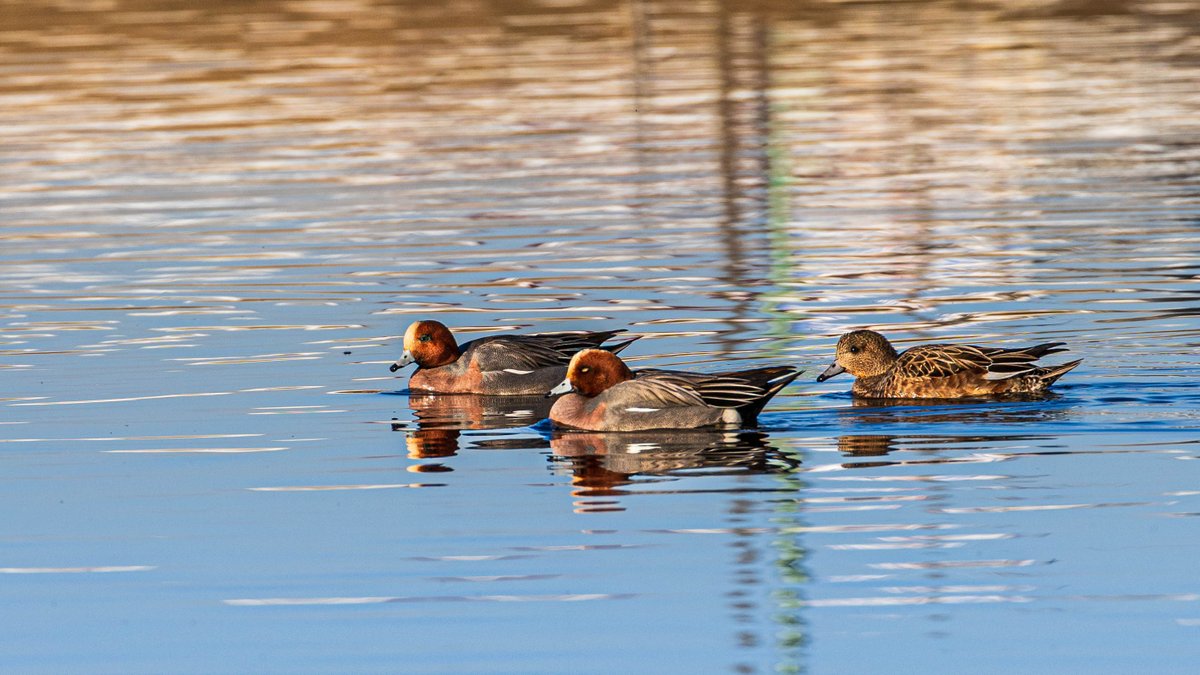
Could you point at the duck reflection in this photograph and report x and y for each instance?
(600, 463)
(866, 446)
(1023, 409)
(927, 449)
(441, 418)
(427, 443)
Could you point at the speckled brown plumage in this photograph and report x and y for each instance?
(942, 371)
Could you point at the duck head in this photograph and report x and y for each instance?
(592, 371)
(863, 353)
(428, 344)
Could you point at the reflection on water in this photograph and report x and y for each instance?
(600, 463)
(218, 218)
(441, 418)
(866, 446)
(1044, 408)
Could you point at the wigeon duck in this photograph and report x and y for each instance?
(942, 371)
(603, 394)
(505, 365)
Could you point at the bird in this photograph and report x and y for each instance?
(942, 370)
(603, 394)
(505, 365)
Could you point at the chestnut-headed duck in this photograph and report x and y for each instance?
(942, 371)
(505, 365)
(603, 394)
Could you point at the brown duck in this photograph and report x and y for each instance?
(942, 371)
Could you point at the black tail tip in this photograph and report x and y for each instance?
(619, 346)
(1051, 375)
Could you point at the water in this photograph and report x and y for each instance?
(218, 221)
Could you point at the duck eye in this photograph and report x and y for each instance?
(423, 338)
(854, 350)
(584, 369)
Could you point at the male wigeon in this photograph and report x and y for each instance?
(505, 365)
(603, 394)
(942, 371)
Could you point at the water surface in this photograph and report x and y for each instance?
(217, 222)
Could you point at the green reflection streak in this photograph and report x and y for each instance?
(779, 214)
(791, 635)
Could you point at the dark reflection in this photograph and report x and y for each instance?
(861, 446)
(600, 463)
(1009, 410)
(877, 445)
(441, 419)
(744, 163)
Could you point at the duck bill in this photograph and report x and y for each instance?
(832, 370)
(405, 359)
(564, 387)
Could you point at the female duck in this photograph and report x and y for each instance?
(509, 365)
(603, 394)
(942, 371)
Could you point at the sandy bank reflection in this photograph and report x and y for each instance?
(600, 463)
(440, 420)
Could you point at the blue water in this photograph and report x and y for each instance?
(215, 225)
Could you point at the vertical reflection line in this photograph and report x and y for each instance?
(744, 604)
(766, 596)
(776, 169)
(639, 32)
(791, 574)
(735, 269)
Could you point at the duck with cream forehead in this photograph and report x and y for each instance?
(505, 365)
(601, 393)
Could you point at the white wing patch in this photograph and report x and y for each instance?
(642, 410)
(514, 371)
(1000, 376)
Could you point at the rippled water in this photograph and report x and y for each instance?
(217, 221)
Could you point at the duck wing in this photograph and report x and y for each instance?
(1008, 363)
(718, 390)
(657, 389)
(934, 361)
(530, 352)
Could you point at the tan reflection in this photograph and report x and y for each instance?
(870, 446)
(441, 419)
(431, 443)
(601, 463)
(923, 449)
(1011, 410)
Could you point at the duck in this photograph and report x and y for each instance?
(601, 393)
(944, 371)
(502, 365)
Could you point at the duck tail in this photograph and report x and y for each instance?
(616, 348)
(1038, 351)
(772, 380)
(1049, 375)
